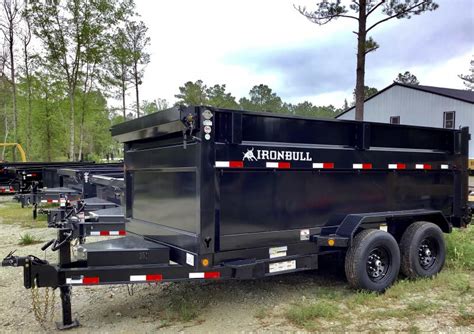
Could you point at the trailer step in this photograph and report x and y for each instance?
(129, 250)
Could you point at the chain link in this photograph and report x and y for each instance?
(41, 312)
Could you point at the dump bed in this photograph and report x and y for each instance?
(216, 181)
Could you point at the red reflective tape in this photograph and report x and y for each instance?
(284, 165)
(158, 277)
(90, 280)
(212, 274)
(50, 201)
(401, 166)
(426, 166)
(33, 174)
(366, 166)
(236, 164)
(329, 165)
(104, 233)
(122, 232)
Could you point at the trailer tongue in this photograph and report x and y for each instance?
(221, 194)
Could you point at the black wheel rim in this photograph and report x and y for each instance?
(378, 263)
(428, 253)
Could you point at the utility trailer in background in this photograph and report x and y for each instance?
(27, 175)
(110, 187)
(225, 194)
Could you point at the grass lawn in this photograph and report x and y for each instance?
(12, 213)
(405, 306)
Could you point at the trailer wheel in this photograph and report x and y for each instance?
(422, 250)
(372, 261)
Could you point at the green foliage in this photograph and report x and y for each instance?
(218, 97)
(368, 92)
(262, 98)
(62, 88)
(28, 239)
(460, 248)
(192, 93)
(407, 78)
(304, 314)
(468, 79)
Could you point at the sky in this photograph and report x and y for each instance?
(242, 43)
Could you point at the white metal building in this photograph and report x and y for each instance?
(420, 105)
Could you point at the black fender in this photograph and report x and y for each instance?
(343, 233)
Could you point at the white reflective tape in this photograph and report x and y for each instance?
(444, 166)
(95, 232)
(357, 166)
(196, 275)
(113, 232)
(392, 166)
(272, 164)
(419, 166)
(318, 165)
(225, 164)
(44, 201)
(73, 281)
(137, 278)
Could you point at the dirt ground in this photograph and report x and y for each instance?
(213, 307)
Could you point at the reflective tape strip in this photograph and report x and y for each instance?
(49, 201)
(323, 165)
(146, 278)
(230, 164)
(207, 275)
(108, 233)
(397, 166)
(423, 166)
(196, 275)
(362, 166)
(83, 280)
(281, 165)
(444, 166)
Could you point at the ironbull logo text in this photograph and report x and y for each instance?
(276, 155)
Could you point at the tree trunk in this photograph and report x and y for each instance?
(13, 82)
(123, 98)
(48, 131)
(29, 114)
(6, 128)
(71, 124)
(360, 70)
(136, 89)
(81, 128)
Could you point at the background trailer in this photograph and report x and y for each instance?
(220, 194)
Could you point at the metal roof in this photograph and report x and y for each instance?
(457, 94)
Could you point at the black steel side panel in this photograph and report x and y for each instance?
(163, 189)
(264, 201)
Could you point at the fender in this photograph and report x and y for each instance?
(345, 231)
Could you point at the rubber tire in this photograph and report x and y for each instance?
(357, 254)
(410, 243)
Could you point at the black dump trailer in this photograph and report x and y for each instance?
(226, 194)
(27, 175)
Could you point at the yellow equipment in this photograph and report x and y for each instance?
(18, 147)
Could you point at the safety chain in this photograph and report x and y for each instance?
(41, 313)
